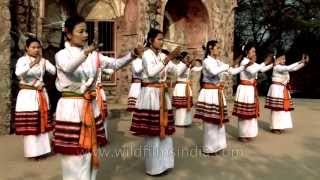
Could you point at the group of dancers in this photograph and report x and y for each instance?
(80, 126)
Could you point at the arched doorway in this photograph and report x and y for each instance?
(186, 23)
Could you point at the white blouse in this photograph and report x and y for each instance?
(281, 72)
(213, 68)
(137, 68)
(154, 69)
(251, 72)
(78, 73)
(33, 76)
(184, 73)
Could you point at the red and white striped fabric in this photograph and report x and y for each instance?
(244, 110)
(131, 104)
(207, 107)
(275, 98)
(245, 103)
(180, 102)
(28, 123)
(67, 134)
(133, 95)
(147, 122)
(210, 113)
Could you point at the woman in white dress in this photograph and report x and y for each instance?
(32, 113)
(211, 106)
(182, 93)
(278, 99)
(153, 116)
(246, 106)
(135, 84)
(79, 129)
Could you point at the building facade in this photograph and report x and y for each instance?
(120, 25)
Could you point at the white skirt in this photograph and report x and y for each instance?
(77, 167)
(27, 100)
(275, 99)
(105, 124)
(146, 116)
(245, 105)
(70, 110)
(183, 117)
(281, 120)
(159, 155)
(134, 90)
(276, 91)
(180, 90)
(133, 95)
(36, 145)
(214, 138)
(149, 99)
(210, 96)
(245, 94)
(248, 128)
(208, 107)
(69, 116)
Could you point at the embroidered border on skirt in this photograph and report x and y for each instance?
(131, 104)
(105, 109)
(147, 122)
(28, 122)
(67, 134)
(180, 102)
(244, 110)
(277, 104)
(210, 113)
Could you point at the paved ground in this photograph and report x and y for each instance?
(294, 155)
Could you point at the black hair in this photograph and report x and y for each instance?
(247, 48)
(164, 51)
(31, 40)
(199, 60)
(280, 52)
(210, 45)
(69, 26)
(182, 55)
(152, 34)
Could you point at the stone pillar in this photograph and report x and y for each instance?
(5, 73)
(222, 21)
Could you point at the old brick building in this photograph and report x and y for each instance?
(119, 24)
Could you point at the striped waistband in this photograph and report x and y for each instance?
(70, 94)
(135, 80)
(25, 86)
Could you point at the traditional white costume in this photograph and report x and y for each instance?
(278, 99)
(211, 106)
(79, 129)
(153, 116)
(246, 106)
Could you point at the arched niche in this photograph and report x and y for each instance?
(186, 23)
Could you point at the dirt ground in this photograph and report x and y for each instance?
(293, 155)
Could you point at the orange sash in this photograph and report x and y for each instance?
(187, 92)
(286, 96)
(43, 106)
(220, 88)
(88, 134)
(256, 96)
(163, 106)
(100, 102)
